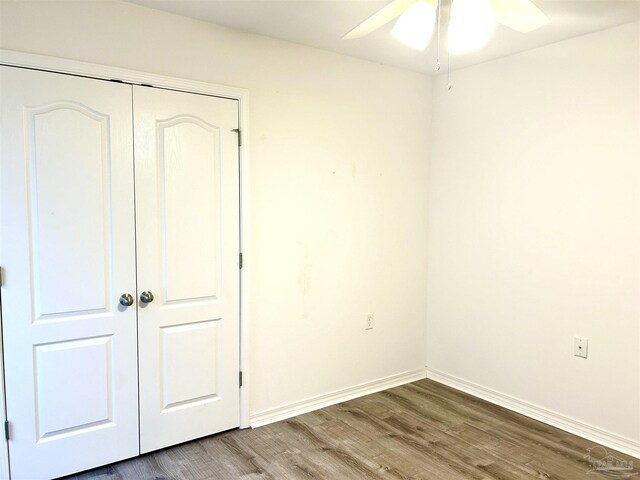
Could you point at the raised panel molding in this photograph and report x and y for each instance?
(188, 348)
(189, 174)
(60, 195)
(82, 366)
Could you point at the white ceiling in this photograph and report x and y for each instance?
(322, 23)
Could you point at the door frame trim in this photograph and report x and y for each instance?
(4, 451)
(135, 77)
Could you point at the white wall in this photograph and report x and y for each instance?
(534, 228)
(338, 168)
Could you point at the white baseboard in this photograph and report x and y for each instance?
(571, 425)
(338, 396)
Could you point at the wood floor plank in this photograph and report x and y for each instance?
(420, 431)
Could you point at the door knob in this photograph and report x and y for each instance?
(126, 300)
(146, 297)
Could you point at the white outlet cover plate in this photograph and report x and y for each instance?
(369, 324)
(580, 347)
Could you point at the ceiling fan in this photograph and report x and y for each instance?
(469, 22)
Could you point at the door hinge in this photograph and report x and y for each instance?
(240, 378)
(6, 430)
(241, 260)
(237, 130)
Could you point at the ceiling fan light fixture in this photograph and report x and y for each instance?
(415, 26)
(471, 25)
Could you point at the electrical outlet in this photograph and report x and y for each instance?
(580, 347)
(369, 324)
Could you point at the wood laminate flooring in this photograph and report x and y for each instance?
(422, 430)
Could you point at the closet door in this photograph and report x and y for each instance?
(187, 229)
(68, 252)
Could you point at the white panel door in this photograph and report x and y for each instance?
(68, 250)
(187, 227)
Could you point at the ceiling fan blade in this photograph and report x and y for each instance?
(520, 15)
(378, 19)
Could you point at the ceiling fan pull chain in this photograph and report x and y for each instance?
(449, 71)
(438, 36)
(448, 52)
